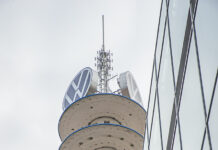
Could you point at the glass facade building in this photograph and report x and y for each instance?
(183, 100)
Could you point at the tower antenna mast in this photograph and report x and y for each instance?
(103, 65)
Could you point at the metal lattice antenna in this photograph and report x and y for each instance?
(103, 65)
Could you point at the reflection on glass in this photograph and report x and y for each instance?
(191, 110)
(155, 137)
(213, 121)
(161, 30)
(146, 143)
(178, 13)
(176, 145)
(206, 27)
(166, 89)
(206, 144)
(151, 104)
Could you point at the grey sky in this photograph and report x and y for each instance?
(44, 43)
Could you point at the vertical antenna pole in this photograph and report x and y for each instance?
(103, 31)
(103, 65)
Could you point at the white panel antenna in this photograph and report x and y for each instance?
(129, 87)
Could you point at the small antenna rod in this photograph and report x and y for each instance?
(103, 31)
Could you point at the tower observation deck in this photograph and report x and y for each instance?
(94, 117)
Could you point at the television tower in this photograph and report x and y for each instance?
(95, 118)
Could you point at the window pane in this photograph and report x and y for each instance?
(206, 144)
(178, 13)
(191, 110)
(213, 121)
(176, 145)
(166, 89)
(206, 27)
(151, 104)
(146, 142)
(155, 138)
(161, 30)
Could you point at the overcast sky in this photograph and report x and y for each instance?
(45, 43)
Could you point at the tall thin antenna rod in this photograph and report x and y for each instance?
(103, 32)
(103, 65)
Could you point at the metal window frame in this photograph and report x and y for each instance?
(179, 83)
(190, 30)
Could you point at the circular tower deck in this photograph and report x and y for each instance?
(103, 137)
(103, 122)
